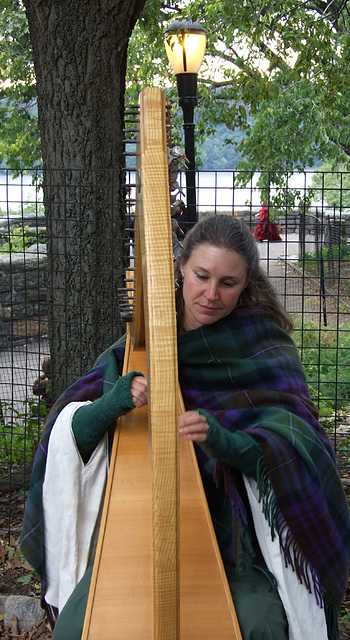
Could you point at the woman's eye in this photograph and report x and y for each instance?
(229, 284)
(200, 276)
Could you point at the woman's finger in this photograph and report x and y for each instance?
(194, 426)
(138, 389)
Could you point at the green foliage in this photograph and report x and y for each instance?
(310, 262)
(325, 354)
(345, 617)
(32, 207)
(301, 87)
(19, 239)
(332, 186)
(19, 436)
(14, 558)
(275, 191)
(19, 133)
(278, 72)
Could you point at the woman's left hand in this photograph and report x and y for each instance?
(138, 388)
(193, 426)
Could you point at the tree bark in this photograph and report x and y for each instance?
(80, 52)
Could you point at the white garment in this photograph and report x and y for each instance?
(72, 502)
(305, 617)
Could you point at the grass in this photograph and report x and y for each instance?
(325, 354)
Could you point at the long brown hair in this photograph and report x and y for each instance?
(226, 232)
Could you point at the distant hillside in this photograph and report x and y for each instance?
(215, 155)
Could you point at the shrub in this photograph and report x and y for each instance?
(19, 434)
(325, 354)
(19, 239)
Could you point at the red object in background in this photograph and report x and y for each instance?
(266, 230)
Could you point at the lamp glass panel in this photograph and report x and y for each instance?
(185, 51)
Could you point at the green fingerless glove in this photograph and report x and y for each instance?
(91, 421)
(236, 448)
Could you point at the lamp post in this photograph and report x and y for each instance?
(185, 44)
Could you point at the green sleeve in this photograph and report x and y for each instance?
(238, 449)
(91, 421)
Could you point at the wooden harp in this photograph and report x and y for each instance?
(158, 572)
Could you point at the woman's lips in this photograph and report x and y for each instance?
(205, 308)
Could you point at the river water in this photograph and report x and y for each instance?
(215, 190)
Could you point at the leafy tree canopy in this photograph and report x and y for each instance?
(332, 186)
(278, 71)
(19, 137)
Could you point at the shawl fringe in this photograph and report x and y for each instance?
(291, 551)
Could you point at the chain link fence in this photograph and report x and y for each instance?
(309, 265)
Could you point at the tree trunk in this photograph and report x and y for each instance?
(80, 51)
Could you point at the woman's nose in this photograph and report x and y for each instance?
(211, 291)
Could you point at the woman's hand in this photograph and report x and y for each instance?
(138, 389)
(193, 426)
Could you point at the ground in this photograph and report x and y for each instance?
(17, 578)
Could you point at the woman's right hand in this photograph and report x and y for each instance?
(193, 426)
(138, 389)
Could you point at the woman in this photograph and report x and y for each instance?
(268, 468)
(265, 229)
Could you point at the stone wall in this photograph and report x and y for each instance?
(23, 281)
(23, 292)
(286, 224)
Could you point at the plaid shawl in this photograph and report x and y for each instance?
(246, 371)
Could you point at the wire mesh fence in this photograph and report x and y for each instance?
(305, 250)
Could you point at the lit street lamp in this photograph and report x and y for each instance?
(185, 44)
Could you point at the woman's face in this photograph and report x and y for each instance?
(213, 280)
